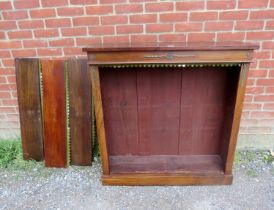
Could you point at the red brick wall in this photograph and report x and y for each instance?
(60, 28)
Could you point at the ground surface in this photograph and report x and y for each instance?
(80, 188)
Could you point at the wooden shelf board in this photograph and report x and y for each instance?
(167, 164)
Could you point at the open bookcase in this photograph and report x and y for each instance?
(168, 114)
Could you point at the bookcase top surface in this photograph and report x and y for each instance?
(170, 46)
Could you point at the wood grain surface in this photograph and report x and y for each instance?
(54, 113)
(80, 112)
(28, 90)
(100, 125)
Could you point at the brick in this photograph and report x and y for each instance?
(73, 51)
(266, 122)
(14, 94)
(61, 42)
(88, 41)
(265, 82)
(264, 35)
(4, 95)
(34, 43)
(254, 90)
(225, 4)
(46, 33)
(249, 25)
(83, 2)
(271, 73)
(143, 38)
(156, 28)
(30, 24)
(128, 8)
(15, 15)
(42, 13)
(5, 5)
(8, 71)
(101, 30)
(13, 117)
(264, 98)
(112, 1)
(145, 18)
(85, 21)
(49, 51)
(10, 44)
(259, 130)
(114, 39)
(190, 6)
(75, 11)
(159, 7)
(23, 4)
(248, 122)
(173, 17)
(52, 3)
(10, 102)
(24, 53)
(3, 80)
(268, 45)
(267, 14)
(81, 31)
(129, 29)
(188, 27)
(233, 15)
(269, 25)
(218, 26)
(172, 37)
(140, 1)
(203, 16)
(263, 115)
(56, 23)
(261, 55)
(4, 110)
(243, 4)
(270, 90)
(266, 64)
(257, 73)
(269, 106)
(7, 25)
(4, 87)
(252, 106)
(2, 35)
(201, 37)
(20, 34)
(229, 36)
(99, 10)
(8, 62)
(4, 54)
(111, 20)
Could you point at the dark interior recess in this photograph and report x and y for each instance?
(166, 120)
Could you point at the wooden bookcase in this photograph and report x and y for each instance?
(168, 114)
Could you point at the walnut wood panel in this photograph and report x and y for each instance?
(28, 90)
(97, 99)
(231, 92)
(197, 108)
(202, 110)
(170, 46)
(54, 113)
(180, 164)
(80, 112)
(158, 110)
(166, 179)
(236, 118)
(170, 57)
(121, 112)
